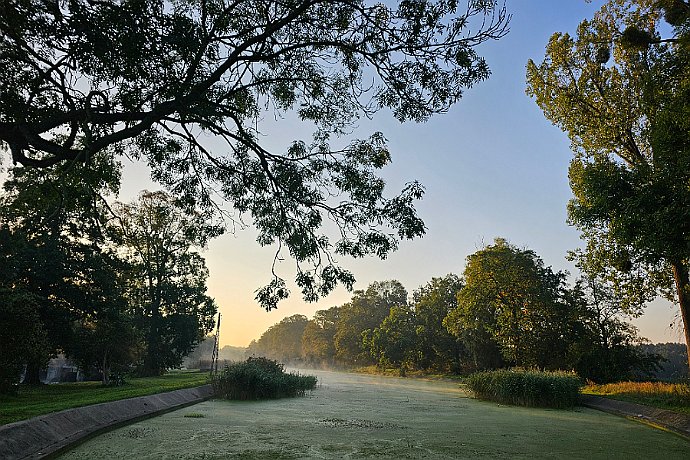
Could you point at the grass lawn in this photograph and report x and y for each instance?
(38, 400)
(670, 396)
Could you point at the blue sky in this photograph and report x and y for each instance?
(493, 166)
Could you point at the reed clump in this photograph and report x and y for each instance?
(260, 378)
(531, 388)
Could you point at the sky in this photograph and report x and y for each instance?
(492, 166)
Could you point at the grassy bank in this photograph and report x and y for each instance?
(670, 396)
(43, 399)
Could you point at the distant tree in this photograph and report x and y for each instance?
(366, 310)
(166, 287)
(605, 347)
(437, 348)
(318, 339)
(393, 342)
(202, 353)
(674, 361)
(282, 341)
(154, 80)
(231, 353)
(621, 90)
(511, 299)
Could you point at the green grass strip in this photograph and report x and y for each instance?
(44, 399)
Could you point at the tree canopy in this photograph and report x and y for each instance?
(620, 90)
(183, 85)
(513, 300)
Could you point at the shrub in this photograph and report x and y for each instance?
(527, 388)
(260, 378)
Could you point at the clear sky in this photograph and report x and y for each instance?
(492, 167)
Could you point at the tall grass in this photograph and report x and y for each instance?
(260, 378)
(673, 396)
(526, 388)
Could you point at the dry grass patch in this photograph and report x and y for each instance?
(671, 396)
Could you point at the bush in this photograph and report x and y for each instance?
(527, 388)
(259, 378)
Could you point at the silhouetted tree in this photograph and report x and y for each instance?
(153, 80)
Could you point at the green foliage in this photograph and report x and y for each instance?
(627, 120)
(84, 285)
(437, 348)
(605, 346)
(54, 251)
(22, 337)
(527, 388)
(673, 365)
(511, 299)
(394, 341)
(366, 310)
(318, 339)
(153, 80)
(260, 378)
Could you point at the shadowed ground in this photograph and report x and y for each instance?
(357, 416)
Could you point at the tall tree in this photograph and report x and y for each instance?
(621, 90)
(437, 348)
(604, 346)
(393, 342)
(366, 310)
(154, 79)
(318, 339)
(511, 298)
(167, 285)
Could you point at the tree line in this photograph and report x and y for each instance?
(114, 286)
(507, 309)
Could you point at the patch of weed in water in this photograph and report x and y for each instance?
(358, 423)
(194, 415)
(265, 455)
(138, 432)
(386, 449)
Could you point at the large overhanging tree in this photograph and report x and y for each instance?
(621, 90)
(154, 79)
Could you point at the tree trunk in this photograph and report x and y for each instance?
(105, 370)
(33, 374)
(152, 359)
(680, 275)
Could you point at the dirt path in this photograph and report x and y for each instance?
(356, 416)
